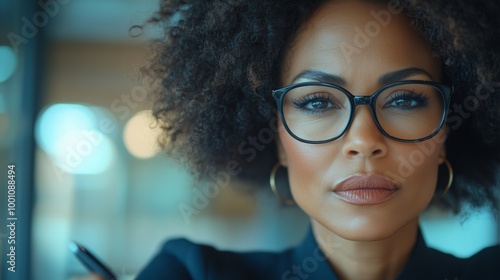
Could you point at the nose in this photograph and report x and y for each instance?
(363, 138)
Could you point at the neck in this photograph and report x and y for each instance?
(367, 260)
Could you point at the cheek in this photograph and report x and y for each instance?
(417, 165)
(294, 150)
(309, 166)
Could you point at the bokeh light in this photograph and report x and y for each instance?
(8, 63)
(140, 135)
(69, 134)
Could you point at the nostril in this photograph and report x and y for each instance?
(353, 153)
(366, 152)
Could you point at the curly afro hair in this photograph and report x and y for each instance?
(219, 59)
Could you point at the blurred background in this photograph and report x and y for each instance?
(74, 121)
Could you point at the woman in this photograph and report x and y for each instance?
(378, 108)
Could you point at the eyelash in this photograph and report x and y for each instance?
(418, 97)
(303, 101)
(421, 100)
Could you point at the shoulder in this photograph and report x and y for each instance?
(187, 260)
(429, 263)
(483, 265)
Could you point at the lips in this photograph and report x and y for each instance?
(366, 189)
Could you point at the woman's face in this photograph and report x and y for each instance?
(361, 42)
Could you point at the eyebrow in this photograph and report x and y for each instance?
(402, 74)
(320, 76)
(387, 78)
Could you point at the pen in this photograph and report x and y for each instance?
(92, 263)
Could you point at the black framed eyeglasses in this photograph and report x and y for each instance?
(405, 111)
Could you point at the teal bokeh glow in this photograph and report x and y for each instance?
(8, 63)
(69, 134)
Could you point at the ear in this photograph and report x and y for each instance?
(283, 159)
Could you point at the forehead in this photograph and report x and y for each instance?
(356, 39)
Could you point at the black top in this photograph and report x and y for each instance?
(181, 259)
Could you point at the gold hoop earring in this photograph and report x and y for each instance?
(450, 180)
(272, 182)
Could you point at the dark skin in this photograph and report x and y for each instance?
(368, 241)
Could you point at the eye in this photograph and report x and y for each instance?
(407, 100)
(316, 103)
